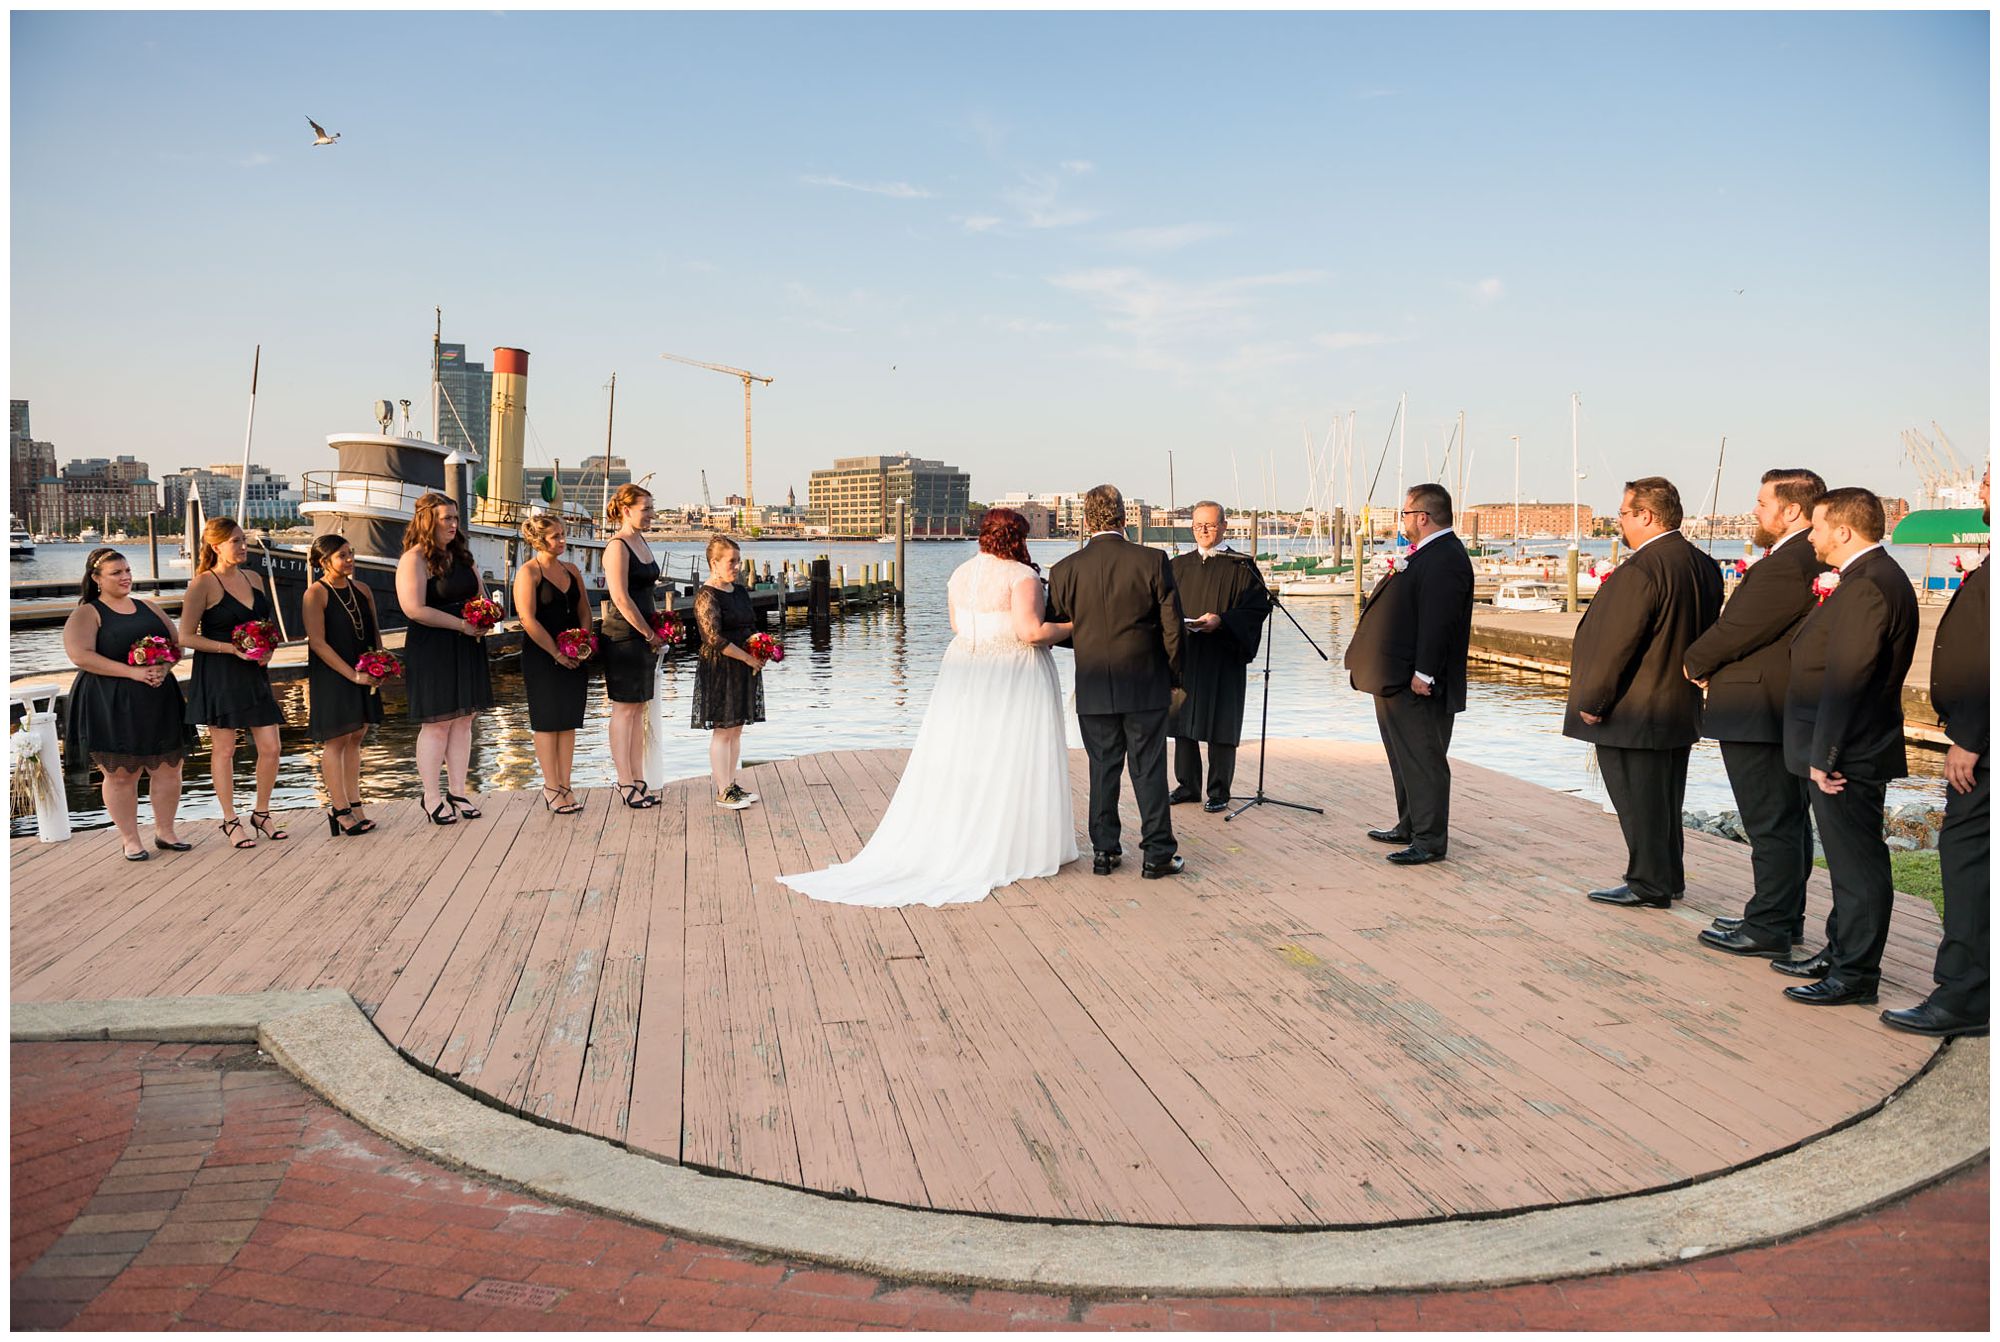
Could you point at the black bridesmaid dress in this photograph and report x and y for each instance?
(446, 671)
(555, 691)
(630, 664)
(338, 705)
(117, 723)
(225, 690)
(727, 693)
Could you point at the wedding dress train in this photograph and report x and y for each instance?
(985, 799)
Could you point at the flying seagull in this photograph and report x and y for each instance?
(1739, 293)
(319, 132)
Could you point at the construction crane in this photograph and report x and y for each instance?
(707, 503)
(749, 498)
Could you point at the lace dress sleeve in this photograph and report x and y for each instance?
(708, 618)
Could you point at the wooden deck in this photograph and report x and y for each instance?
(1292, 1034)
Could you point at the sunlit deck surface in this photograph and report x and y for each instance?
(1294, 1033)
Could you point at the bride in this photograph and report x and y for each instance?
(985, 799)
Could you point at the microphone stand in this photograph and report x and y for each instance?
(1264, 724)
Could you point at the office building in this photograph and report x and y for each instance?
(468, 390)
(858, 497)
(1492, 520)
(90, 490)
(269, 501)
(583, 484)
(28, 464)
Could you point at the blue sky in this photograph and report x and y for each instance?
(1047, 248)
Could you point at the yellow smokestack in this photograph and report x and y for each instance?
(507, 432)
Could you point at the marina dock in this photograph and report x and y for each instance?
(1285, 1036)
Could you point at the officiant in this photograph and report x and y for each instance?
(1226, 603)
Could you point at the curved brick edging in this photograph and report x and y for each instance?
(1934, 1127)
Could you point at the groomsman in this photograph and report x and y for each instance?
(1628, 694)
(1743, 662)
(1844, 732)
(1233, 603)
(1962, 696)
(1408, 651)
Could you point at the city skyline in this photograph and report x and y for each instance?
(1046, 281)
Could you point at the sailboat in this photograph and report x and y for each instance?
(1318, 571)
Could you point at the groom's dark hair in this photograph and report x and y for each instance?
(1103, 510)
(1435, 500)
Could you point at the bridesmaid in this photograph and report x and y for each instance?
(230, 692)
(549, 596)
(125, 719)
(728, 689)
(340, 625)
(631, 648)
(444, 657)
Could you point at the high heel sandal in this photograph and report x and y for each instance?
(635, 796)
(463, 807)
(443, 815)
(261, 822)
(234, 825)
(333, 825)
(570, 809)
(361, 826)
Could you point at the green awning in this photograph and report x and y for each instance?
(1942, 526)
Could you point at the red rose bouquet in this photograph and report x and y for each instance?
(763, 645)
(153, 650)
(580, 644)
(255, 639)
(667, 628)
(482, 614)
(379, 664)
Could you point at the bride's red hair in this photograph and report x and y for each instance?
(1004, 532)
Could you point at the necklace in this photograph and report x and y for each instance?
(350, 603)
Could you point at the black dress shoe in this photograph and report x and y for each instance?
(1738, 942)
(1627, 898)
(1213, 806)
(1181, 794)
(1813, 967)
(1395, 836)
(1415, 856)
(1935, 1021)
(1171, 867)
(1832, 992)
(1103, 864)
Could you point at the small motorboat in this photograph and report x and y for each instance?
(1526, 594)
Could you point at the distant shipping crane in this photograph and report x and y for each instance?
(707, 503)
(749, 497)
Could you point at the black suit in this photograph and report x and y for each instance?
(1844, 714)
(1418, 619)
(1746, 658)
(1127, 643)
(1625, 668)
(1962, 695)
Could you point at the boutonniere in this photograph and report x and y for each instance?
(1397, 563)
(1825, 585)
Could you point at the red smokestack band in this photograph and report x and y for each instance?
(510, 361)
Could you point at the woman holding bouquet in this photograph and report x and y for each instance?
(340, 627)
(631, 643)
(125, 707)
(728, 686)
(444, 653)
(226, 617)
(555, 654)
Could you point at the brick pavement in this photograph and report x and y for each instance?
(186, 1187)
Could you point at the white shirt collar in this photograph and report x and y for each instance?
(1210, 554)
(1857, 555)
(1779, 543)
(1441, 531)
(1649, 540)
(1120, 534)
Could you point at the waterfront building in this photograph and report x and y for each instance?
(468, 389)
(1496, 520)
(92, 489)
(29, 462)
(582, 484)
(857, 496)
(269, 501)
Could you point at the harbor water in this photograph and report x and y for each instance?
(864, 682)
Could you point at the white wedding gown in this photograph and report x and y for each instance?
(985, 799)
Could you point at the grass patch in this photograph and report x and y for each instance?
(1916, 872)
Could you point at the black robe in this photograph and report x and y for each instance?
(1212, 665)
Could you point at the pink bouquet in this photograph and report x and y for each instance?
(763, 645)
(255, 639)
(667, 628)
(482, 614)
(153, 650)
(379, 664)
(579, 644)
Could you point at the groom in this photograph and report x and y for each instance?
(1128, 655)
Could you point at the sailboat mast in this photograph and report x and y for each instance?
(243, 484)
(610, 412)
(1575, 499)
(437, 382)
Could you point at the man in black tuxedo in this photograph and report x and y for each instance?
(1127, 643)
(1743, 662)
(1962, 694)
(1844, 732)
(1628, 695)
(1408, 651)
